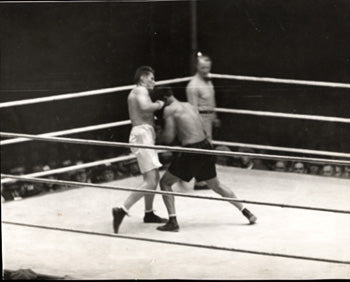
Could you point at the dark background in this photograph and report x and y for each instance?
(57, 48)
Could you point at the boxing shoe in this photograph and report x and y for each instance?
(151, 217)
(251, 217)
(169, 226)
(118, 215)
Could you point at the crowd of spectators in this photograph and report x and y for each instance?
(281, 166)
(118, 170)
(97, 174)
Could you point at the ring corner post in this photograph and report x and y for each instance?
(193, 34)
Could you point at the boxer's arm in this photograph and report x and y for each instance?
(169, 130)
(146, 104)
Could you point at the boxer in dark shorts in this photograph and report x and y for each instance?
(202, 167)
(183, 122)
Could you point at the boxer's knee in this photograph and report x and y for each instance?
(165, 184)
(152, 179)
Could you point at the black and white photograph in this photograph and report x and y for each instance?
(175, 139)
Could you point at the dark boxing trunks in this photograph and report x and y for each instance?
(188, 165)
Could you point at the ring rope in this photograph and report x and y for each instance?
(168, 81)
(72, 168)
(70, 131)
(220, 110)
(225, 143)
(212, 247)
(173, 148)
(282, 80)
(285, 149)
(83, 94)
(283, 115)
(215, 142)
(226, 199)
(129, 157)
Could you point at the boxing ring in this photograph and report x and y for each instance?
(302, 229)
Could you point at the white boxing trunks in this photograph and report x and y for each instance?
(147, 158)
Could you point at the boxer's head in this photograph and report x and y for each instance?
(144, 76)
(163, 93)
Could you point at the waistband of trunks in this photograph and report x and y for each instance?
(198, 144)
(207, 112)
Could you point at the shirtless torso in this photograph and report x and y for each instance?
(183, 122)
(141, 108)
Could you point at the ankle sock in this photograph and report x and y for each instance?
(125, 210)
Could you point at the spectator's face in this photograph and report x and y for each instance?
(245, 160)
(148, 81)
(299, 168)
(122, 168)
(327, 170)
(280, 166)
(314, 169)
(346, 172)
(108, 175)
(81, 177)
(203, 67)
(337, 171)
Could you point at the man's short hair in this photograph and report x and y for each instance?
(143, 70)
(203, 58)
(161, 92)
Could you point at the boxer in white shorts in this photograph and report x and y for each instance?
(147, 159)
(141, 112)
